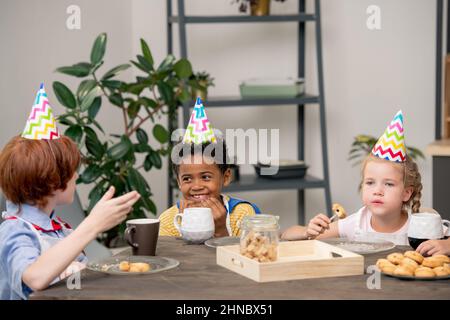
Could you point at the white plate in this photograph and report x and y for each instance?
(361, 247)
(111, 265)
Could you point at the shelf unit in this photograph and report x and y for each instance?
(252, 182)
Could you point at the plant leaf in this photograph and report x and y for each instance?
(91, 173)
(87, 100)
(64, 95)
(147, 66)
(166, 63)
(84, 88)
(142, 136)
(148, 164)
(98, 49)
(119, 150)
(79, 70)
(160, 133)
(113, 72)
(75, 133)
(116, 99)
(156, 159)
(94, 108)
(146, 52)
(183, 68)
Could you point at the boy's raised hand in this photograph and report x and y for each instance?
(109, 211)
(219, 213)
(317, 226)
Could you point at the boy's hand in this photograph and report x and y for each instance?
(219, 213)
(317, 226)
(432, 247)
(109, 211)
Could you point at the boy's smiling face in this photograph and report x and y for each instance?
(199, 179)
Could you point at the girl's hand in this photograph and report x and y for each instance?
(74, 267)
(432, 247)
(317, 226)
(109, 211)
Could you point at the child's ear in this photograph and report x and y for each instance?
(227, 177)
(407, 194)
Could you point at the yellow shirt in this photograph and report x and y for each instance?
(167, 228)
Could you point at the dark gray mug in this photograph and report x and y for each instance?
(142, 236)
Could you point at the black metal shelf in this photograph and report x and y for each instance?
(239, 101)
(249, 182)
(253, 182)
(301, 17)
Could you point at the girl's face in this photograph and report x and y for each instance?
(66, 196)
(383, 191)
(199, 180)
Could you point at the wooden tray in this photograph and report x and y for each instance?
(296, 260)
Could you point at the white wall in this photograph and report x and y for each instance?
(369, 75)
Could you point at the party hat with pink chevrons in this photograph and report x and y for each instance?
(391, 145)
(199, 129)
(41, 124)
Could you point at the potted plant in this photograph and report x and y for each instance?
(257, 7)
(115, 158)
(363, 144)
(199, 82)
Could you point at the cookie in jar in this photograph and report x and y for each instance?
(259, 237)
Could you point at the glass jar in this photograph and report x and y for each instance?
(259, 237)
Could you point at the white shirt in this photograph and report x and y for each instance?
(357, 227)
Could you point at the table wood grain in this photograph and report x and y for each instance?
(199, 277)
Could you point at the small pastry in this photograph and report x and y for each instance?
(441, 271)
(134, 268)
(383, 262)
(442, 257)
(139, 267)
(424, 272)
(395, 257)
(432, 262)
(389, 269)
(409, 263)
(124, 266)
(339, 211)
(417, 257)
(403, 271)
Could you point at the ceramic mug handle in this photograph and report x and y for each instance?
(129, 237)
(175, 221)
(447, 224)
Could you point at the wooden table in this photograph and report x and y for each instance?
(199, 277)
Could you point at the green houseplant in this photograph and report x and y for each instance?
(363, 144)
(200, 81)
(112, 159)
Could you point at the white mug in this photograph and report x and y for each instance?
(426, 225)
(197, 224)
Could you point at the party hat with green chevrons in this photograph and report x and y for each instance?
(199, 129)
(41, 124)
(391, 145)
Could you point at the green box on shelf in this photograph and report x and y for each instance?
(286, 88)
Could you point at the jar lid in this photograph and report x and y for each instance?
(260, 222)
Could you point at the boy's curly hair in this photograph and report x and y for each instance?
(216, 150)
(32, 170)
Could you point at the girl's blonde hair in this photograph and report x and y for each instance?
(411, 178)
